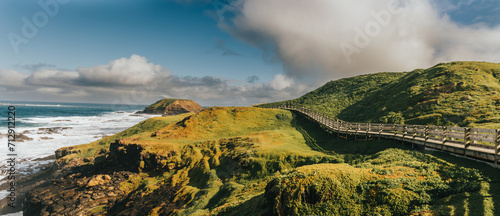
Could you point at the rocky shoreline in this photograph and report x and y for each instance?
(27, 183)
(80, 187)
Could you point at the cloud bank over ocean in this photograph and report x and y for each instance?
(135, 80)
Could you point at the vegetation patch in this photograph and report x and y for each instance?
(457, 93)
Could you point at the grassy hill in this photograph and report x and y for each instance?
(229, 161)
(457, 93)
(171, 106)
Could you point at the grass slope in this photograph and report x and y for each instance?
(457, 93)
(161, 104)
(229, 161)
(99, 148)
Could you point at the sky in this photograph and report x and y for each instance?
(227, 53)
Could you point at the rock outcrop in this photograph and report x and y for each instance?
(173, 107)
(105, 187)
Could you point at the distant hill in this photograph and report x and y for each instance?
(173, 107)
(456, 93)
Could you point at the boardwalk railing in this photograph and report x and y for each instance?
(470, 142)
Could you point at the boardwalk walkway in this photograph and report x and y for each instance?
(470, 142)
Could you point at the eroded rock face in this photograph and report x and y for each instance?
(173, 107)
(135, 159)
(89, 190)
(65, 151)
(77, 193)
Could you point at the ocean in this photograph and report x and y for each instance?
(47, 127)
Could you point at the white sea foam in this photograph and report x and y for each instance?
(36, 105)
(73, 130)
(15, 214)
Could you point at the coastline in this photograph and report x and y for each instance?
(27, 182)
(45, 127)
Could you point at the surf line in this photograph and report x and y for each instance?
(11, 156)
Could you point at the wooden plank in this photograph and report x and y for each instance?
(455, 135)
(421, 127)
(474, 135)
(461, 129)
(483, 139)
(435, 133)
(435, 128)
(483, 130)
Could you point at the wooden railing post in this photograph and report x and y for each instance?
(367, 131)
(497, 143)
(466, 140)
(379, 131)
(426, 135)
(395, 131)
(356, 132)
(347, 127)
(339, 123)
(414, 132)
(444, 137)
(404, 133)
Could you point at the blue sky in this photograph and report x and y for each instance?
(260, 51)
(88, 33)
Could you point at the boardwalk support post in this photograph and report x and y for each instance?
(466, 140)
(339, 125)
(404, 134)
(497, 143)
(347, 127)
(395, 131)
(444, 137)
(356, 132)
(367, 131)
(414, 131)
(414, 135)
(379, 131)
(426, 135)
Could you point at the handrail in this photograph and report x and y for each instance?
(460, 140)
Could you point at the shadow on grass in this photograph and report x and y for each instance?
(253, 206)
(481, 203)
(319, 140)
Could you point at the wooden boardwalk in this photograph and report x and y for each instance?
(477, 143)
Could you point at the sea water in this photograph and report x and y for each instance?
(55, 125)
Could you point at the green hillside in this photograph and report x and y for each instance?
(162, 104)
(229, 161)
(457, 93)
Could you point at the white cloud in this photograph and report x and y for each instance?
(307, 35)
(281, 82)
(135, 70)
(12, 77)
(51, 77)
